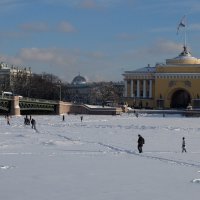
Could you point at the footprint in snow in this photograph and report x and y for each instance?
(197, 180)
(5, 167)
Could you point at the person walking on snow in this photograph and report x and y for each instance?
(183, 145)
(33, 123)
(140, 143)
(8, 119)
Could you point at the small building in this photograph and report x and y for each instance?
(172, 85)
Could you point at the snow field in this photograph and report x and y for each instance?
(98, 158)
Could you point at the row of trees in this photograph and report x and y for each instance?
(41, 86)
(48, 86)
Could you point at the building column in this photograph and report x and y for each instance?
(138, 88)
(63, 107)
(15, 109)
(125, 88)
(150, 88)
(144, 89)
(132, 88)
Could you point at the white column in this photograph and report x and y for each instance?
(150, 88)
(138, 88)
(144, 89)
(125, 88)
(131, 88)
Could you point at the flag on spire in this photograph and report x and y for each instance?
(181, 24)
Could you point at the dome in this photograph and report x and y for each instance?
(184, 57)
(79, 80)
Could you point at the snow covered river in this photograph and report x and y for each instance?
(97, 159)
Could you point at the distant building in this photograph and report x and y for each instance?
(82, 91)
(175, 84)
(10, 74)
(79, 90)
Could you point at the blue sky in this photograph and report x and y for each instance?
(100, 39)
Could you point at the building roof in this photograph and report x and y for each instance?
(3, 65)
(184, 57)
(147, 69)
(79, 80)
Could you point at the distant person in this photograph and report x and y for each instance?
(63, 118)
(33, 123)
(140, 143)
(183, 145)
(8, 119)
(81, 118)
(26, 121)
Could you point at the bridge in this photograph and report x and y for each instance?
(23, 106)
(20, 106)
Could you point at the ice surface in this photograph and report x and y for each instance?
(98, 158)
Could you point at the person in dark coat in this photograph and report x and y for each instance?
(8, 119)
(183, 145)
(140, 143)
(33, 123)
(26, 121)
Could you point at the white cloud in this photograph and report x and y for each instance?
(36, 54)
(65, 63)
(158, 51)
(11, 60)
(66, 27)
(96, 65)
(48, 56)
(165, 47)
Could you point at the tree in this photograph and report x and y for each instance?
(41, 86)
(107, 92)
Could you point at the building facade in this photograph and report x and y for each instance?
(173, 85)
(11, 75)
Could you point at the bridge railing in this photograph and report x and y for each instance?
(5, 98)
(37, 100)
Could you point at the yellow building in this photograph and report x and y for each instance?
(175, 84)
